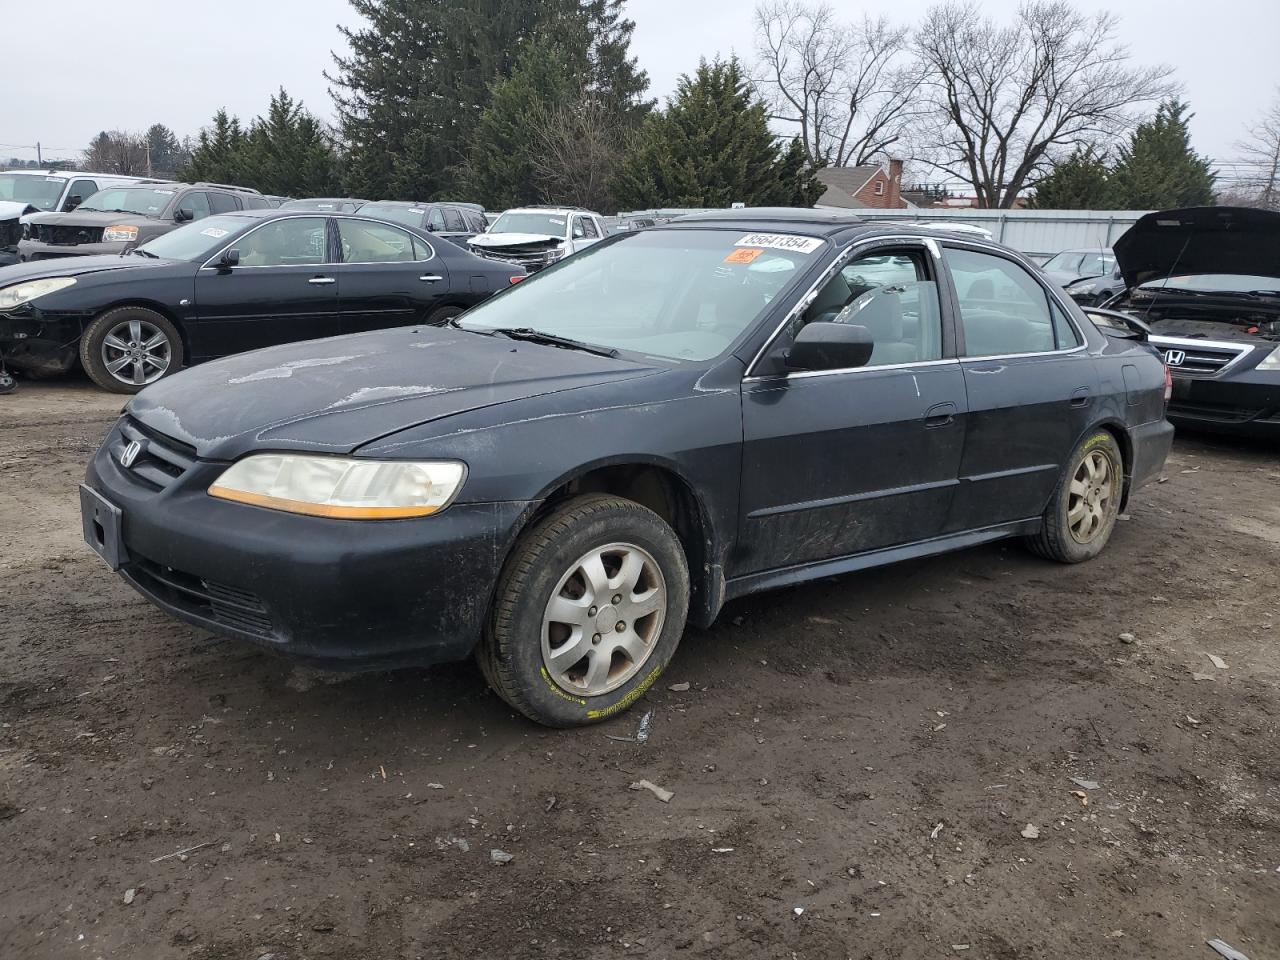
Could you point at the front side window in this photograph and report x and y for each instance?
(79, 189)
(584, 227)
(283, 243)
(684, 294)
(195, 205)
(368, 242)
(1003, 309)
(892, 296)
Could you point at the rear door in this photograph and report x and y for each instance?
(284, 289)
(387, 277)
(1031, 387)
(840, 462)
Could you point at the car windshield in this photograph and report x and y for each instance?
(41, 192)
(390, 211)
(1096, 265)
(196, 241)
(1066, 262)
(148, 201)
(684, 294)
(1216, 283)
(544, 224)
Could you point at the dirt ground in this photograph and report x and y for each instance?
(854, 765)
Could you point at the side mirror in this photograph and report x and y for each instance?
(230, 258)
(830, 346)
(73, 201)
(183, 215)
(431, 228)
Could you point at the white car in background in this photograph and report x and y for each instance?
(40, 191)
(536, 237)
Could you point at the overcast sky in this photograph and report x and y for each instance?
(84, 65)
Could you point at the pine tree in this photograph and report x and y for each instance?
(1080, 182)
(164, 153)
(217, 157)
(712, 147)
(1158, 169)
(288, 153)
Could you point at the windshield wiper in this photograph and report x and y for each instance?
(145, 253)
(550, 339)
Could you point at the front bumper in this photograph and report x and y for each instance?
(29, 250)
(342, 594)
(1243, 401)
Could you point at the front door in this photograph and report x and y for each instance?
(283, 289)
(1031, 387)
(387, 278)
(842, 462)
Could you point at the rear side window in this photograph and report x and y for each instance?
(453, 221)
(476, 222)
(366, 242)
(251, 202)
(223, 203)
(1003, 309)
(1064, 331)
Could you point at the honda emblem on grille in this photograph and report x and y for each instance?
(130, 453)
(1175, 358)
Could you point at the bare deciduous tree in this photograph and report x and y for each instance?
(119, 152)
(847, 87)
(576, 148)
(1006, 100)
(1260, 160)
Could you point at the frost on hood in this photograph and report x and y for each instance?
(370, 394)
(285, 370)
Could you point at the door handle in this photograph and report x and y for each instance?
(322, 280)
(1080, 398)
(431, 278)
(941, 414)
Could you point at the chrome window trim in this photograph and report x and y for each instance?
(211, 263)
(384, 223)
(804, 374)
(1241, 351)
(843, 256)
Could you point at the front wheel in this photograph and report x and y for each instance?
(1082, 512)
(589, 610)
(127, 348)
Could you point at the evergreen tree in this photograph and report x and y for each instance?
(218, 155)
(711, 148)
(420, 74)
(165, 156)
(1158, 169)
(1080, 182)
(288, 153)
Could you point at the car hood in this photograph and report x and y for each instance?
(91, 218)
(492, 240)
(1234, 240)
(15, 208)
(77, 267)
(335, 395)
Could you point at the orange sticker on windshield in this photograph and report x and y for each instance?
(744, 255)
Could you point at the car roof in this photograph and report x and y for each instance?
(823, 223)
(426, 203)
(73, 174)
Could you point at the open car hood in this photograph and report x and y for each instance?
(1234, 240)
(15, 208)
(499, 240)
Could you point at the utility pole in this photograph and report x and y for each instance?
(39, 155)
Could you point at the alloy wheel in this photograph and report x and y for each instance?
(604, 619)
(136, 352)
(1092, 490)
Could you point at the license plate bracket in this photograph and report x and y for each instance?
(102, 522)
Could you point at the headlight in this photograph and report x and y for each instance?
(120, 233)
(340, 487)
(1270, 362)
(1086, 286)
(21, 293)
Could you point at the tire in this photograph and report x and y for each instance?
(1082, 513)
(441, 315)
(130, 326)
(527, 655)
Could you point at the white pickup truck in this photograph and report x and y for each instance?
(536, 237)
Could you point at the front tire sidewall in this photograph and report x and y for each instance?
(514, 638)
(96, 332)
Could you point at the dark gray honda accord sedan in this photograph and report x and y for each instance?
(568, 473)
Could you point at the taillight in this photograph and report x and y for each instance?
(1168, 385)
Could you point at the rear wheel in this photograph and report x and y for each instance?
(441, 315)
(127, 348)
(1082, 513)
(589, 610)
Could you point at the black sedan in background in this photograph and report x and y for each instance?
(231, 283)
(666, 420)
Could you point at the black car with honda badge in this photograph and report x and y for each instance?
(560, 479)
(1206, 281)
(231, 283)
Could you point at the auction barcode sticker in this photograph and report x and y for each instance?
(780, 241)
